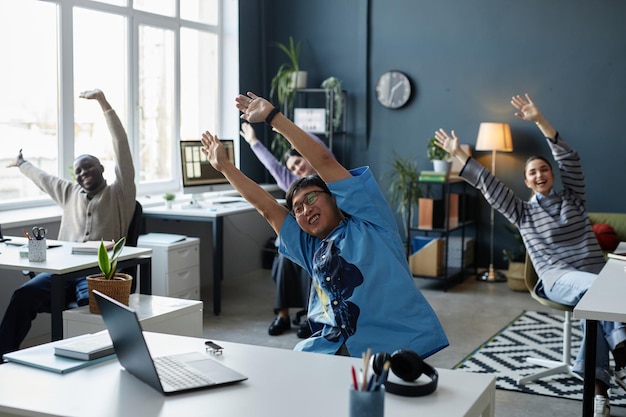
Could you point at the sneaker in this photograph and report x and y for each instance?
(278, 326)
(601, 406)
(620, 378)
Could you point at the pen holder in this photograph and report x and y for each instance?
(37, 250)
(367, 403)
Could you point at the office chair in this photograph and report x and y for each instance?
(134, 230)
(553, 367)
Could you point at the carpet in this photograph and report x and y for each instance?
(535, 334)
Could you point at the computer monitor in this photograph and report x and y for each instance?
(198, 175)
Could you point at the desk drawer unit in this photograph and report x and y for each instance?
(175, 267)
(156, 314)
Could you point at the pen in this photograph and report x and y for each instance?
(383, 375)
(370, 384)
(356, 385)
(26, 233)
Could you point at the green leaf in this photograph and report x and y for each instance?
(108, 266)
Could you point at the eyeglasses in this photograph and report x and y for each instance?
(309, 199)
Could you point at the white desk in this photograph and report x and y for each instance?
(208, 215)
(301, 380)
(64, 266)
(603, 301)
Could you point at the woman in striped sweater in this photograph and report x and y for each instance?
(556, 231)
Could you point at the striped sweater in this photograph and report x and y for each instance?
(555, 229)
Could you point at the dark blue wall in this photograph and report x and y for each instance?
(466, 60)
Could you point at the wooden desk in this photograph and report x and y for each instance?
(603, 301)
(64, 266)
(209, 216)
(307, 385)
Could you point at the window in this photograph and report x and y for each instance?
(162, 64)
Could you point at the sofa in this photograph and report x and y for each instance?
(616, 220)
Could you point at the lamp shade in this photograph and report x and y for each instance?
(494, 137)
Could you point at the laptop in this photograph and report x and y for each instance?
(167, 374)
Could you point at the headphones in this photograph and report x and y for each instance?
(408, 366)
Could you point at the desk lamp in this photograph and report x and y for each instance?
(493, 137)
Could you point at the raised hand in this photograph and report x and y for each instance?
(91, 94)
(247, 132)
(214, 150)
(447, 142)
(527, 108)
(253, 108)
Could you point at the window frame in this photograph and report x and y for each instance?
(227, 32)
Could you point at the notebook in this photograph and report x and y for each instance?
(192, 371)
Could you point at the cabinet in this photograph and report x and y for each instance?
(448, 213)
(313, 112)
(175, 266)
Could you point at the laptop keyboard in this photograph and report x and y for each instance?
(176, 375)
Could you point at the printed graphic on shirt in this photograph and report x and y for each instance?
(334, 281)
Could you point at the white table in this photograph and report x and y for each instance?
(603, 301)
(64, 266)
(307, 385)
(208, 216)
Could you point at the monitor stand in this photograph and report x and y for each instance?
(196, 202)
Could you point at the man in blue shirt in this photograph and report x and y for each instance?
(339, 227)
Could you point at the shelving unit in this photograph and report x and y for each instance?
(315, 98)
(442, 191)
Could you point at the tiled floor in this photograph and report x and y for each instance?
(471, 312)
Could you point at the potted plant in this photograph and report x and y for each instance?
(438, 156)
(405, 191)
(284, 84)
(169, 199)
(109, 281)
(288, 78)
(332, 88)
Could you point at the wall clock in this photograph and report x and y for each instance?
(393, 89)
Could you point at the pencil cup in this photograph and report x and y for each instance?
(37, 250)
(367, 403)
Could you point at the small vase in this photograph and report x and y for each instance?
(298, 80)
(442, 166)
(169, 204)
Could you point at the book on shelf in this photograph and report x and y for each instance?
(87, 347)
(617, 255)
(91, 247)
(432, 176)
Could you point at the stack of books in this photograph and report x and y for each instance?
(432, 176)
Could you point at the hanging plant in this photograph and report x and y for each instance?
(332, 87)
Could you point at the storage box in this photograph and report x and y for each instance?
(420, 241)
(428, 261)
(431, 213)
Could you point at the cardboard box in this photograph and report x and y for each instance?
(431, 213)
(428, 261)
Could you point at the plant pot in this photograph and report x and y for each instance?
(169, 204)
(442, 166)
(117, 288)
(298, 80)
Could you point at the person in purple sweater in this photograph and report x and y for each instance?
(292, 281)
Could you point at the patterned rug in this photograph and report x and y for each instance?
(535, 334)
